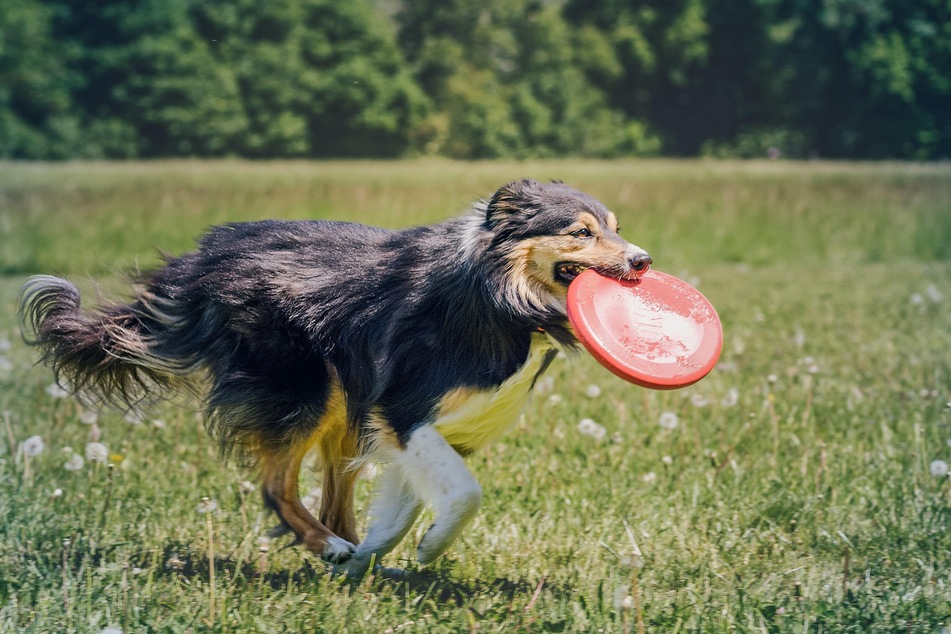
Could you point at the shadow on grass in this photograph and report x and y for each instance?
(179, 559)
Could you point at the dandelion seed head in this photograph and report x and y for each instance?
(75, 463)
(554, 399)
(88, 417)
(33, 446)
(916, 299)
(247, 487)
(111, 630)
(592, 391)
(207, 505)
(699, 400)
(649, 477)
(934, 294)
(667, 460)
(668, 420)
(57, 493)
(56, 390)
(939, 468)
(96, 452)
(732, 397)
(590, 428)
(545, 384)
(158, 423)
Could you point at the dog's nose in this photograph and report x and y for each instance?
(641, 262)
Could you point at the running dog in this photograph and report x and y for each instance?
(411, 348)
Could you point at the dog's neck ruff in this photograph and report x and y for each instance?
(470, 419)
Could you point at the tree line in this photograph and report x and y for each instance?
(475, 78)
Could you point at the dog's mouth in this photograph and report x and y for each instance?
(565, 272)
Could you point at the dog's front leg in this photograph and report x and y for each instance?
(394, 509)
(440, 478)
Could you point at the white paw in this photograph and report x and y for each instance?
(338, 550)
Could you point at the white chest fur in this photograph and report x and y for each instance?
(471, 419)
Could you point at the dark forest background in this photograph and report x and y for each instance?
(865, 79)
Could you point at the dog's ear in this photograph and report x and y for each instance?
(515, 197)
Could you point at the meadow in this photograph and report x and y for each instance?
(801, 487)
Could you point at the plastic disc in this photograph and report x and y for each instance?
(658, 332)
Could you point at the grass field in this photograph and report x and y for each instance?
(795, 489)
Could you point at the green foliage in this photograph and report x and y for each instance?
(467, 79)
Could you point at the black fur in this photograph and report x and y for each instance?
(268, 311)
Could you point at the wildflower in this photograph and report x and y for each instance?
(590, 428)
(158, 423)
(916, 299)
(75, 463)
(592, 391)
(699, 400)
(649, 477)
(668, 420)
(207, 505)
(33, 446)
(247, 487)
(96, 452)
(667, 460)
(933, 293)
(545, 384)
(95, 433)
(554, 399)
(799, 338)
(939, 468)
(57, 493)
(56, 390)
(731, 398)
(111, 630)
(88, 417)
(772, 378)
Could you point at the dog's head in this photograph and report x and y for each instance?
(550, 233)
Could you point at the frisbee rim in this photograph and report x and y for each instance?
(597, 343)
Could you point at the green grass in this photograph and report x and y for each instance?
(806, 505)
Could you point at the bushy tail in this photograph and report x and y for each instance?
(106, 356)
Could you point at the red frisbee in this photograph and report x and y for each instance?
(658, 331)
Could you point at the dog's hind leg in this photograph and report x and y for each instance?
(438, 475)
(281, 473)
(394, 509)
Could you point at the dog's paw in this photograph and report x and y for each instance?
(338, 550)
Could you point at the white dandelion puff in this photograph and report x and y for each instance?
(158, 423)
(33, 446)
(667, 460)
(88, 417)
(799, 338)
(732, 397)
(544, 384)
(916, 299)
(590, 428)
(592, 391)
(934, 294)
(111, 630)
(207, 505)
(699, 400)
(57, 493)
(56, 390)
(668, 420)
(554, 399)
(96, 452)
(75, 463)
(649, 477)
(247, 487)
(134, 418)
(939, 468)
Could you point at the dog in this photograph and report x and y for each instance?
(411, 348)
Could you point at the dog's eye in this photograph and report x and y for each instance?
(582, 233)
